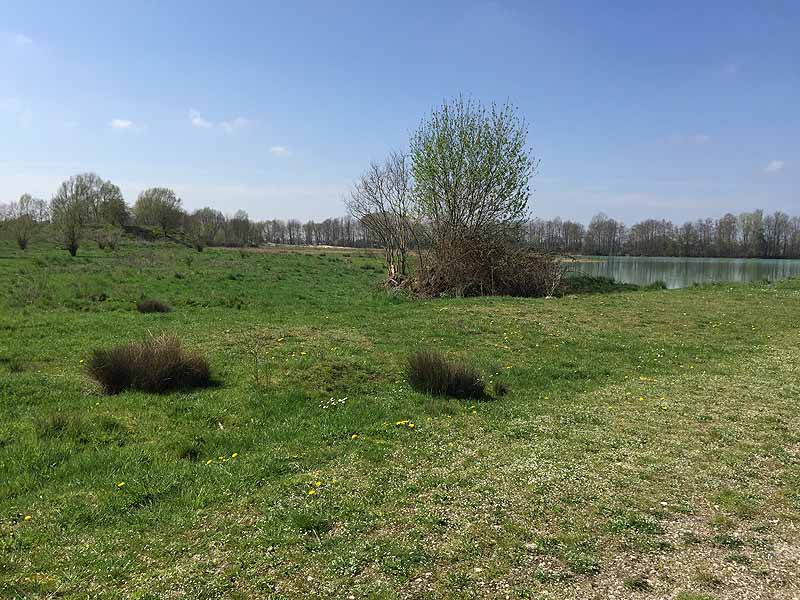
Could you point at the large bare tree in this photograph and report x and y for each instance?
(382, 199)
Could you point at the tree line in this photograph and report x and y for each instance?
(384, 212)
(746, 235)
(87, 208)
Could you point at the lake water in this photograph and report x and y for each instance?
(683, 272)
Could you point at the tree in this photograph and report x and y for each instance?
(240, 229)
(158, 207)
(71, 208)
(472, 171)
(383, 201)
(111, 205)
(604, 236)
(204, 225)
(22, 219)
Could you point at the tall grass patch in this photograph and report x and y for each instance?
(431, 372)
(156, 364)
(151, 305)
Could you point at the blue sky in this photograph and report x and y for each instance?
(638, 109)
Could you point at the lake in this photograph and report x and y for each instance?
(683, 272)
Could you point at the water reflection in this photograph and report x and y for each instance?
(683, 272)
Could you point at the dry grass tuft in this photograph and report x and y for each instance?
(150, 305)
(156, 364)
(430, 372)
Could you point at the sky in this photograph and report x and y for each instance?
(675, 110)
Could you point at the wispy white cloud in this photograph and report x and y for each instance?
(25, 118)
(697, 139)
(121, 124)
(229, 126)
(774, 166)
(279, 151)
(235, 124)
(18, 39)
(730, 69)
(198, 121)
(19, 111)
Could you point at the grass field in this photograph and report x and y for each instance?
(649, 446)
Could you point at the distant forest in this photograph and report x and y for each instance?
(747, 235)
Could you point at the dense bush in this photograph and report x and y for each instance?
(486, 266)
(156, 364)
(578, 283)
(150, 305)
(430, 372)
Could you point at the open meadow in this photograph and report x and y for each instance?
(648, 445)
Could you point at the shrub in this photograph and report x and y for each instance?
(430, 372)
(486, 266)
(578, 283)
(31, 288)
(107, 238)
(150, 305)
(500, 388)
(156, 364)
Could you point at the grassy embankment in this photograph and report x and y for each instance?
(649, 444)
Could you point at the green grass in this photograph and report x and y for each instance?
(648, 445)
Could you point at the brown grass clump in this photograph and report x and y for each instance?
(150, 305)
(156, 364)
(430, 372)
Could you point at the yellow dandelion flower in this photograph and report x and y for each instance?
(121, 484)
(401, 422)
(209, 461)
(354, 436)
(221, 457)
(312, 492)
(641, 397)
(27, 518)
(235, 455)
(411, 426)
(317, 483)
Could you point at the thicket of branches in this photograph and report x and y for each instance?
(384, 203)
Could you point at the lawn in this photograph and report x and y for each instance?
(649, 445)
